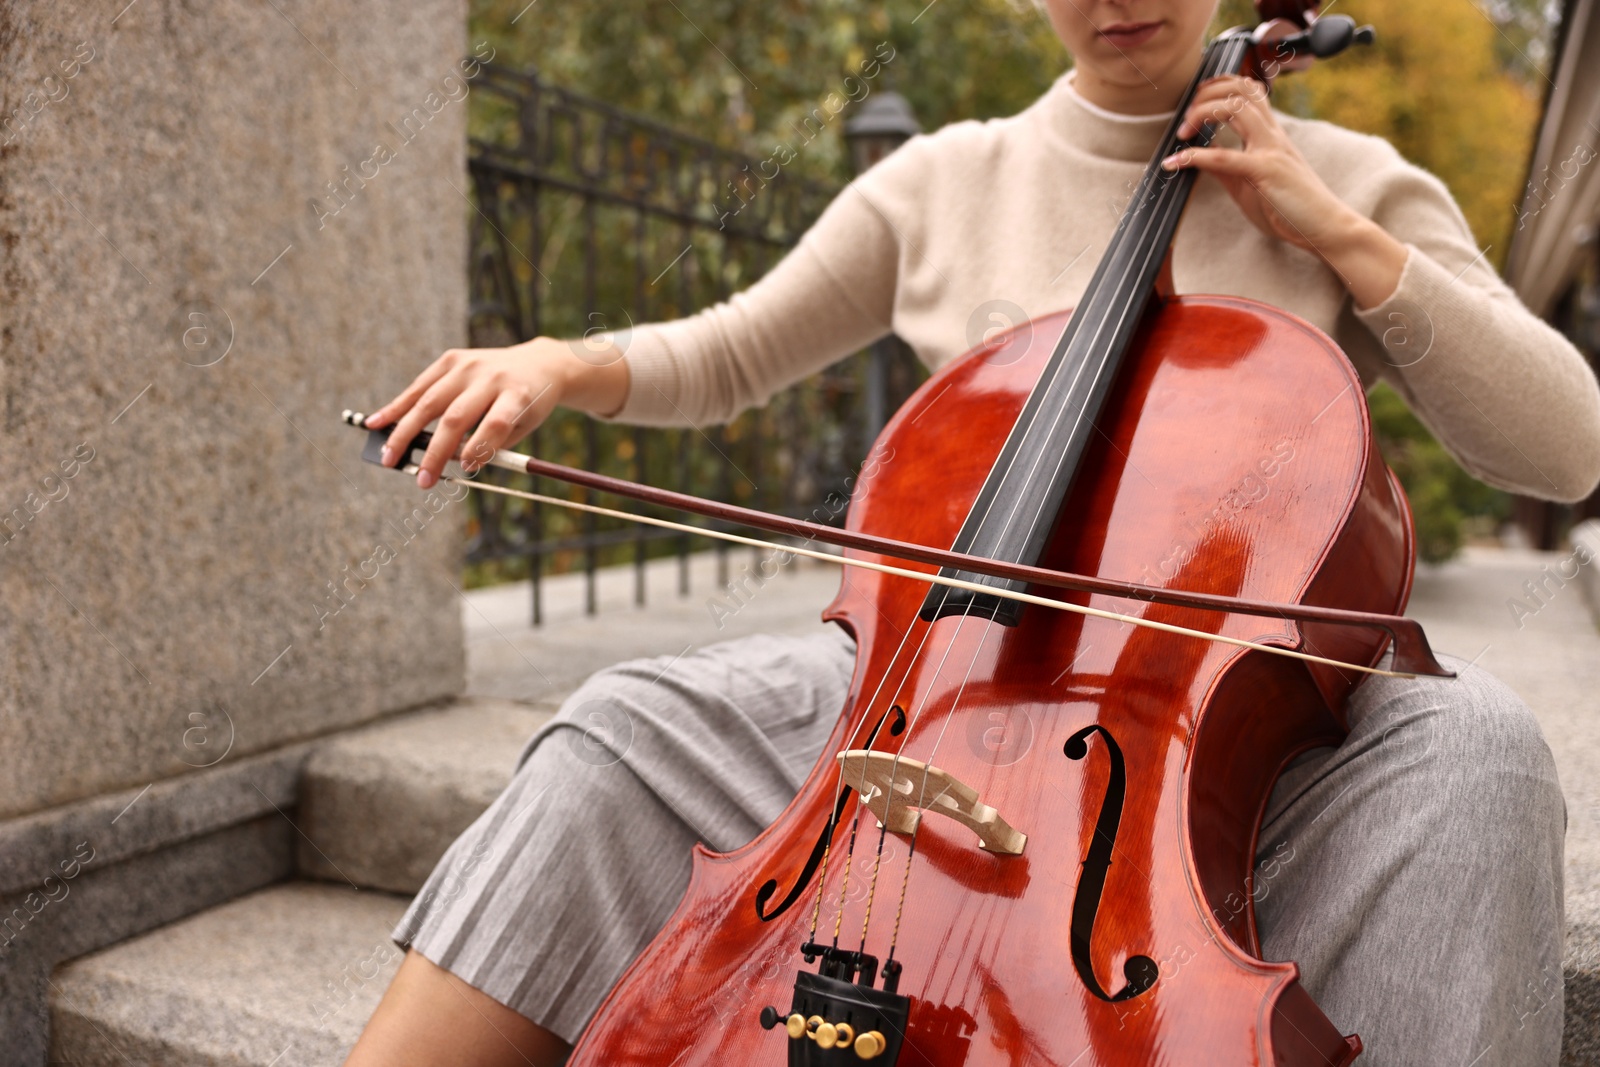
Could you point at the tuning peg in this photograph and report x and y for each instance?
(1330, 36)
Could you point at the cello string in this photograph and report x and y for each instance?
(1154, 219)
(913, 718)
(1224, 56)
(1149, 223)
(894, 767)
(861, 789)
(861, 793)
(1027, 431)
(1147, 190)
(822, 874)
(1165, 199)
(1156, 215)
(1159, 213)
(838, 789)
(922, 793)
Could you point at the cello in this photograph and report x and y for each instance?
(1079, 892)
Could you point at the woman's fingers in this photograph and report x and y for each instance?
(514, 414)
(1235, 100)
(511, 390)
(1226, 163)
(409, 396)
(1241, 103)
(1229, 86)
(1268, 178)
(465, 410)
(1232, 162)
(433, 403)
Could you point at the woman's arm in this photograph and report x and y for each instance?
(1505, 392)
(810, 310)
(1509, 396)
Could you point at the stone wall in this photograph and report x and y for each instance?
(219, 225)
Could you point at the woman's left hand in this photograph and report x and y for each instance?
(1279, 192)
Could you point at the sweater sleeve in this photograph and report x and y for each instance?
(1511, 398)
(832, 294)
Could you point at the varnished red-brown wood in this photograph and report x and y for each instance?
(1235, 458)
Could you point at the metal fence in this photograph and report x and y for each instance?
(589, 217)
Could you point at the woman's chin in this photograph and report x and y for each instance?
(1133, 68)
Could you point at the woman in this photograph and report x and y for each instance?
(1414, 872)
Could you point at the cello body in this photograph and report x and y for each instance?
(1234, 456)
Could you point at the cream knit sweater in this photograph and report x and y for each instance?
(961, 230)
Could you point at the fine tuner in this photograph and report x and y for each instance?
(827, 1035)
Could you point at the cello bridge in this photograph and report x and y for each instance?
(898, 789)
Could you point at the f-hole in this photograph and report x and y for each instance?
(769, 888)
(1140, 971)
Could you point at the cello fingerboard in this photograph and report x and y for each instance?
(1020, 503)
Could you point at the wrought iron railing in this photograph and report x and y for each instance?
(590, 217)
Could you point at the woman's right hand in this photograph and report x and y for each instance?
(507, 392)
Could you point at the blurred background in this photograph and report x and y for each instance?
(1457, 87)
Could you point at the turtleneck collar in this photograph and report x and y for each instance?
(1093, 129)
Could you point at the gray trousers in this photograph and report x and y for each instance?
(1414, 872)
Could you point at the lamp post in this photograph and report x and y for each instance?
(883, 123)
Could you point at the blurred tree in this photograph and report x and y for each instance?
(741, 74)
(1454, 86)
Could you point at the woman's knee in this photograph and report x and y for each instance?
(770, 683)
(1472, 720)
(1471, 735)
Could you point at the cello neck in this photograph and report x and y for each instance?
(1014, 514)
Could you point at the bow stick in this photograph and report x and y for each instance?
(1412, 654)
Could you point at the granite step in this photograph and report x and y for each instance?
(378, 806)
(287, 976)
(284, 977)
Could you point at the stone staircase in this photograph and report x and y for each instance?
(287, 975)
